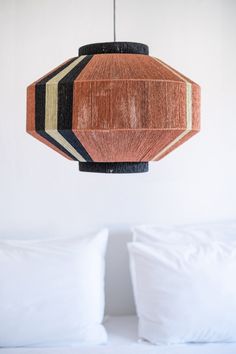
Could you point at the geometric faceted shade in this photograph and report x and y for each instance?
(113, 108)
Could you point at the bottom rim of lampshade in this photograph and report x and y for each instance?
(113, 167)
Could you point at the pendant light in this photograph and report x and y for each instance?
(113, 108)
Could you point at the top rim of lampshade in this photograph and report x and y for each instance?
(114, 47)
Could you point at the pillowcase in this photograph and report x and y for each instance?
(52, 291)
(184, 283)
(151, 234)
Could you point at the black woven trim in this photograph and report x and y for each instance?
(114, 47)
(114, 167)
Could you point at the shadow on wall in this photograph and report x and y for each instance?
(118, 288)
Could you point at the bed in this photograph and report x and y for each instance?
(122, 339)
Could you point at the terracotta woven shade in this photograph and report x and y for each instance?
(113, 108)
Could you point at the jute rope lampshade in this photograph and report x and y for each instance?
(113, 108)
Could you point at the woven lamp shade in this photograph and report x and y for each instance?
(113, 108)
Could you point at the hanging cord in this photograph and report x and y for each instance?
(114, 19)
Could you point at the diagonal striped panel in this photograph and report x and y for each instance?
(40, 93)
(51, 109)
(65, 106)
(32, 123)
(48, 108)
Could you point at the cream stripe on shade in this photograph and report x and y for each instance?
(188, 112)
(51, 109)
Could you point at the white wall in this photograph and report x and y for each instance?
(43, 193)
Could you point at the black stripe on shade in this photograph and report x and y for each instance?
(55, 143)
(74, 141)
(65, 107)
(40, 96)
(40, 100)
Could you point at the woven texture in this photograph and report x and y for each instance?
(113, 108)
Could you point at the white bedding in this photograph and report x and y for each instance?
(183, 281)
(122, 339)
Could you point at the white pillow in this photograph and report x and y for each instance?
(184, 283)
(151, 234)
(52, 291)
